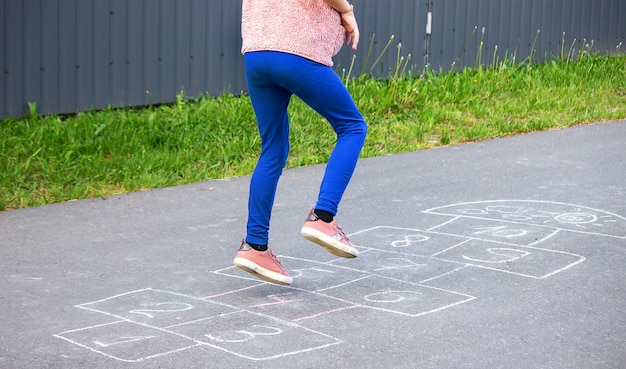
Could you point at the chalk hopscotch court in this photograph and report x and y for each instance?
(393, 275)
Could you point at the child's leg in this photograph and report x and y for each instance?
(320, 87)
(270, 103)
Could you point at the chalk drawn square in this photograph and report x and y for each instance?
(524, 261)
(294, 304)
(127, 341)
(255, 336)
(405, 240)
(393, 296)
(401, 266)
(155, 308)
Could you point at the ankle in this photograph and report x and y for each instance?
(324, 215)
(258, 247)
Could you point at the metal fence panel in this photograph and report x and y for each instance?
(75, 55)
(514, 28)
(13, 88)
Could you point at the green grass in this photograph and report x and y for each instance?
(48, 159)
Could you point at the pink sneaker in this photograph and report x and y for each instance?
(262, 264)
(328, 235)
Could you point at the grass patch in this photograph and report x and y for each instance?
(48, 159)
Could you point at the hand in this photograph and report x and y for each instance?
(348, 21)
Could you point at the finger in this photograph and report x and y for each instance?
(355, 39)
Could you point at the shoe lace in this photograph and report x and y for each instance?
(340, 231)
(275, 259)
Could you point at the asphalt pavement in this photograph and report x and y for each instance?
(509, 253)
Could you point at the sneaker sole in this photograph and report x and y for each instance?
(262, 273)
(328, 243)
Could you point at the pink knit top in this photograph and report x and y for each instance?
(308, 28)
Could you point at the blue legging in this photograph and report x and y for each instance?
(273, 77)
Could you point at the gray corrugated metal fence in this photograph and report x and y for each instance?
(72, 55)
(75, 55)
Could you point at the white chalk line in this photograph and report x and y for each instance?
(343, 284)
(125, 341)
(445, 274)
(242, 276)
(202, 319)
(327, 312)
(546, 238)
(80, 306)
(444, 223)
(451, 247)
(582, 258)
(277, 301)
(233, 291)
(93, 326)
